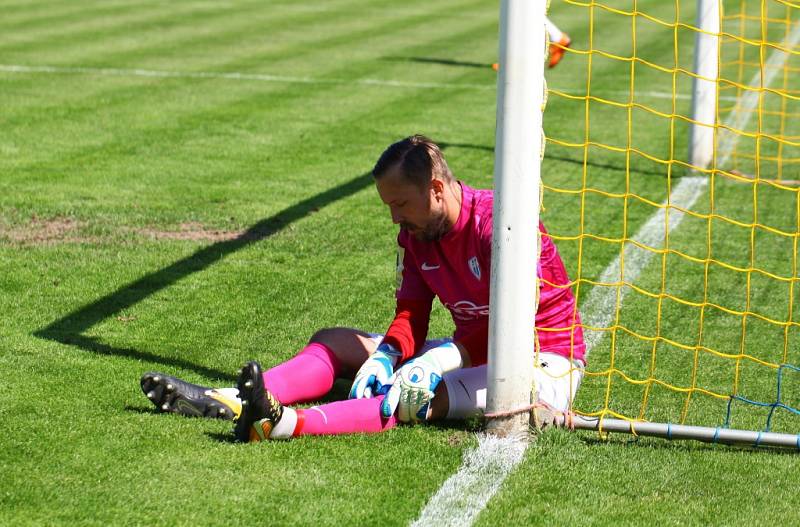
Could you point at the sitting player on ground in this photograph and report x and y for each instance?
(444, 246)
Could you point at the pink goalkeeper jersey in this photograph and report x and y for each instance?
(456, 269)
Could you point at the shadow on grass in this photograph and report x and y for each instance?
(441, 61)
(93, 345)
(677, 172)
(223, 438)
(142, 410)
(460, 437)
(69, 329)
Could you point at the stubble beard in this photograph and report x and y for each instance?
(434, 230)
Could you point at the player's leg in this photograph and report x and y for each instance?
(553, 33)
(559, 41)
(557, 379)
(264, 417)
(461, 394)
(330, 354)
(307, 376)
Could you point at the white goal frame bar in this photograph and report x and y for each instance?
(726, 436)
(705, 85)
(515, 234)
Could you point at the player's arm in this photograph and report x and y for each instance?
(405, 336)
(413, 385)
(409, 329)
(406, 333)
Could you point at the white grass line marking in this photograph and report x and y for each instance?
(466, 490)
(741, 114)
(118, 72)
(464, 495)
(600, 306)
(263, 77)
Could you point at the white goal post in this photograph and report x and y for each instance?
(705, 84)
(520, 93)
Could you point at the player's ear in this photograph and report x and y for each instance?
(437, 188)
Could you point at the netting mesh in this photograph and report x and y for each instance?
(687, 276)
(753, 32)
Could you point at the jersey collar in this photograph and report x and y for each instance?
(463, 214)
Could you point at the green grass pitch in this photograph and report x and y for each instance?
(145, 137)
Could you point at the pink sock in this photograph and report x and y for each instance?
(305, 377)
(343, 417)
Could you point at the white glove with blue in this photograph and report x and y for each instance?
(373, 376)
(413, 385)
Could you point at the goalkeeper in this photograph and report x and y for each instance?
(444, 251)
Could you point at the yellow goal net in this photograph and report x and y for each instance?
(684, 257)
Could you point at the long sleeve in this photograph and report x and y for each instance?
(409, 329)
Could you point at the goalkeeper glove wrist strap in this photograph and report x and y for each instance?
(447, 357)
(392, 353)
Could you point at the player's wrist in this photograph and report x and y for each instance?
(389, 352)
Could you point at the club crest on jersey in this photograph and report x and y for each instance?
(475, 267)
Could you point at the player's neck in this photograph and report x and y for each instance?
(453, 200)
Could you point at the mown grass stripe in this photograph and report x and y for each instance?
(175, 119)
(99, 32)
(297, 53)
(105, 306)
(247, 161)
(33, 15)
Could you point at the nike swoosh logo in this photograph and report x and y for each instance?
(426, 267)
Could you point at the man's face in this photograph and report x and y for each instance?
(418, 210)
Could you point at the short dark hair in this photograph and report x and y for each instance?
(418, 158)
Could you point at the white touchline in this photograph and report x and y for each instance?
(262, 77)
(468, 490)
(464, 495)
(288, 79)
(741, 113)
(600, 306)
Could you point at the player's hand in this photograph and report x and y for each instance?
(373, 376)
(414, 384)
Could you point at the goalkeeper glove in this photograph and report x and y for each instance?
(373, 376)
(413, 385)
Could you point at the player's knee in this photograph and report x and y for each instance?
(327, 336)
(348, 345)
